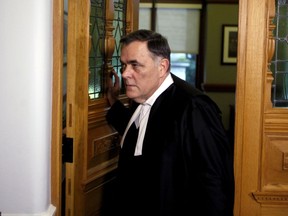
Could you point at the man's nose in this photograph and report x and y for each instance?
(127, 71)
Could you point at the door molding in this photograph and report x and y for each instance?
(57, 98)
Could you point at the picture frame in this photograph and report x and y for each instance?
(229, 44)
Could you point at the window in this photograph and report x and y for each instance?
(183, 65)
(180, 24)
(98, 62)
(279, 63)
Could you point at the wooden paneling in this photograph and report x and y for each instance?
(261, 140)
(56, 131)
(77, 103)
(101, 157)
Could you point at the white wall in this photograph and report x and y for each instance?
(25, 111)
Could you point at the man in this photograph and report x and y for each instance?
(180, 162)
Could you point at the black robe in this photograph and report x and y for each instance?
(186, 167)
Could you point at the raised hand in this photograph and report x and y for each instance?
(113, 87)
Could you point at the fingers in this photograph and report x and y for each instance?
(110, 79)
(116, 81)
(113, 89)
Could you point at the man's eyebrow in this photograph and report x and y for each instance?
(133, 61)
(130, 61)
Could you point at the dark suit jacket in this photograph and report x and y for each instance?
(187, 162)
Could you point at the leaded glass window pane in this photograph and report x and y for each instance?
(279, 64)
(119, 24)
(97, 33)
(96, 58)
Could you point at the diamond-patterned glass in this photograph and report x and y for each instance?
(97, 33)
(119, 24)
(279, 64)
(96, 58)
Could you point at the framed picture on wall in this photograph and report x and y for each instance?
(229, 44)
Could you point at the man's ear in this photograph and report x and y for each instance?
(164, 66)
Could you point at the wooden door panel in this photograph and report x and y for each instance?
(77, 103)
(261, 131)
(89, 178)
(102, 158)
(275, 163)
(103, 148)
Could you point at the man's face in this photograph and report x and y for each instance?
(141, 71)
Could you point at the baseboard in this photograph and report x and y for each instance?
(51, 211)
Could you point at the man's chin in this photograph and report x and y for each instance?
(133, 97)
(129, 95)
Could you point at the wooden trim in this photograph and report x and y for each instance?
(56, 131)
(133, 11)
(270, 198)
(194, 1)
(201, 56)
(248, 142)
(173, 1)
(77, 102)
(211, 87)
(270, 53)
(221, 1)
(170, 5)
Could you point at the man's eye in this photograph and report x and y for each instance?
(122, 68)
(135, 65)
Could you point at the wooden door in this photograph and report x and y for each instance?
(89, 172)
(261, 130)
(95, 144)
(76, 105)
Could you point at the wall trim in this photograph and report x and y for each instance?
(194, 1)
(51, 211)
(213, 87)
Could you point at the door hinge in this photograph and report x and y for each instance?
(67, 149)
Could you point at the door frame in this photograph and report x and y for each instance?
(57, 104)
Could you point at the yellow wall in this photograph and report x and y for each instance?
(214, 71)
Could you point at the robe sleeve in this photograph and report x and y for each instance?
(215, 158)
